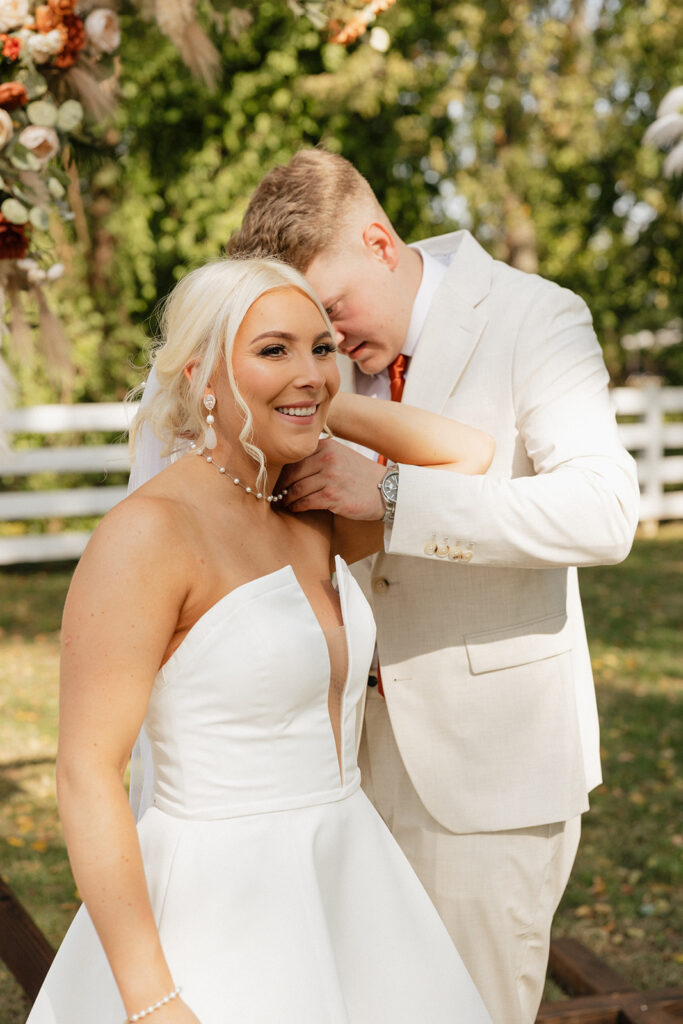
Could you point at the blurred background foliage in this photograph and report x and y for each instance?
(520, 120)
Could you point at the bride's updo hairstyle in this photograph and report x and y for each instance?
(199, 321)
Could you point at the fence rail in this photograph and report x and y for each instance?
(650, 425)
(51, 507)
(656, 441)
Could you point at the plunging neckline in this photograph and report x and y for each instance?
(288, 569)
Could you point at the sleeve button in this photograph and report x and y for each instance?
(442, 550)
(430, 547)
(455, 554)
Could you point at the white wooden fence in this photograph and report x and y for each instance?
(648, 427)
(52, 506)
(651, 427)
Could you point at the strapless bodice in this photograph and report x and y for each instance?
(238, 718)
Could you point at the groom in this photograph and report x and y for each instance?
(481, 742)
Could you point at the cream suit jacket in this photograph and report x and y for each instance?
(483, 650)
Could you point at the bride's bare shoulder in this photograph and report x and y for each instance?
(146, 532)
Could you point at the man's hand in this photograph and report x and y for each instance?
(336, 478)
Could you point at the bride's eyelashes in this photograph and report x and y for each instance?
(324, 348)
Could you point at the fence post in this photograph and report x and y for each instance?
(651, 470)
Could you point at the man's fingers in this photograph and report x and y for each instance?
(313, 501)
(299, 470)
(302, 489)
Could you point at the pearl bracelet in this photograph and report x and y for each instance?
(155, 1006)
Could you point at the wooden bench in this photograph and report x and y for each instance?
(69, 457)
(601, 995)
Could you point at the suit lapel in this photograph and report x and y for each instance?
(454, 323)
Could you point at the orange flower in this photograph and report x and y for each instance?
(359, 22)
(13, 95)
(75, 41)
(62, 7)
(11, 46)
(46, 19)
(13, 245)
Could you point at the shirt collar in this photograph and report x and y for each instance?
(432, 275)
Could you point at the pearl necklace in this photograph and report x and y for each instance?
(270, 498)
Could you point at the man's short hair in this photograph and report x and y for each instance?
(300, 209)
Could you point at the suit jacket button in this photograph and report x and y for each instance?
(430, 547)
(380, 585)
(455, 554)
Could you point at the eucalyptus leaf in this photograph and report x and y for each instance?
(69, 116)
(39, 218)
(57, 190)
(3, 186)
(23, 159)
(14, 211)
(36, 85)
(21, 195)
(43, 113)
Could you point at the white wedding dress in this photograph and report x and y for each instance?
(280, 895)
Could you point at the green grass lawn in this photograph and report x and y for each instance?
(625, 898)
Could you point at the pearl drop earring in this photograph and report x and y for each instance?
(210, 439)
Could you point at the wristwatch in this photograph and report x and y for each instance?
(388, 488)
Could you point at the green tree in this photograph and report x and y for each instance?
(521, 120)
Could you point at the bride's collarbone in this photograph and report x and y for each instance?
(229, 552)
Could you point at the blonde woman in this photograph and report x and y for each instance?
(260, 886)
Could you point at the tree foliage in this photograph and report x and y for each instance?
(521, 120)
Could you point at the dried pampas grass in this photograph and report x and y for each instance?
(177, 19)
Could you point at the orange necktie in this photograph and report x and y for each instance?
(397, 382)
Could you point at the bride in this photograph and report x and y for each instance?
(260, 887)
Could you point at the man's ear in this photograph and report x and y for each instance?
(380, 242)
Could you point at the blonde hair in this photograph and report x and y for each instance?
(199, 321)
(300, 210)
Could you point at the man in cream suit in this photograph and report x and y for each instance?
(482, 750)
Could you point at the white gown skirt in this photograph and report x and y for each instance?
(303, 916)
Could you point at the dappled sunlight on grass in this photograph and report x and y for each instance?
(625, 897)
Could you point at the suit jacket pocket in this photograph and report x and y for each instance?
(520, 644)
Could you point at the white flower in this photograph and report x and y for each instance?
(55, 271)
(42, 142)
(6, 128)
(36, 275)
(102, 29)
(664, 130)
(12, 14)
(379, 39)
(43, 45)
(672, 102)
(673, 164)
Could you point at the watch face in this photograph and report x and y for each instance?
(390, 486)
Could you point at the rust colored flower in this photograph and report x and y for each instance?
(359, 22)
(75, 41)
(46, 19)
(13, 240)
(10, 46)
(13, 95)
(62, 8)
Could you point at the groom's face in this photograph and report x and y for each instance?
(358, 289)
